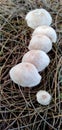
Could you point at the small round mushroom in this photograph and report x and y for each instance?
(40, 43)
(46, 30)
(43, 97)
(25, 75)
(38, 17)
(38, 58)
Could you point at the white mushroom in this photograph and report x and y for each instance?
(38, 58)
(46, 30)
(25, 74)
(40, 43)
(38, 17)
(43, 97)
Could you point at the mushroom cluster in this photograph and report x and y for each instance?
(26, 73)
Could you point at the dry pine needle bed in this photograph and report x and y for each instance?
(16, 112)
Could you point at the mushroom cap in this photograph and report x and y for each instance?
(38, 58)
(46, 30)
(38, 17)
(43, 97)
(25, 74)
(40, 43)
